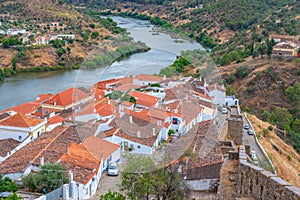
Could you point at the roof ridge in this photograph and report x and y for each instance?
(40, 153)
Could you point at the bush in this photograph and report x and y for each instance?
(270, 128)
(242, 72)
(61, 52)
(46, 179)
(289, 157)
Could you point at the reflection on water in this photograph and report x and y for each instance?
(26, 86)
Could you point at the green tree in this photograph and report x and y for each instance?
(293, 95)
(7, 185)
(112, 196)
(142, 180)
(2, 75)
(282, 117)
(94, 35)
(49, 178)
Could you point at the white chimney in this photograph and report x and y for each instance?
(153, 131)
(139, 134)
(168, 109)
(108, 102)
(130, 119)
(42, 162)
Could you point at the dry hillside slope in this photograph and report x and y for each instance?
(287, 169)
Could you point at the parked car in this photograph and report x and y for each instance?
(113, 170)
(253, 155)
(224, 111)
(250, 132)
(246, 126)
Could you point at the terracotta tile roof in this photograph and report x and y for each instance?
(139, 125)
(148, 77)
(201, 95)
(7, 145)
(20, 120)
(144, 99)
(67, 97)
(14, 164)
(59, 145)
(126, 80)
(103, 84)
(81, 162)
(286, 45)
(43, 97)
(106, 110)
(100, 148)
(98, 93)
(127, 103)
(25, 108)
(55, 119)
(145, 141)
(45, 112)
(127, 87)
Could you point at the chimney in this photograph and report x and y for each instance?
(130, 119)
(40, 109)
(108, 101)
(42, 162)
(70, 176)
(168, 109)
(139, 134)
(153, 131)
(67, 151)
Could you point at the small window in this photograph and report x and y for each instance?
(20, 137)
(138, 146)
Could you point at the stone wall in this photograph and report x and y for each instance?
(257, 183)
(235, 128)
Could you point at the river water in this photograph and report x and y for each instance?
(25, 87)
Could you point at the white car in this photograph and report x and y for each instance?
(246, 126)
(224, 111)
(113, 170)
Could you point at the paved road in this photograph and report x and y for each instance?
(250, 139)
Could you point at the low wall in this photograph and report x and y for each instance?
(257, 183)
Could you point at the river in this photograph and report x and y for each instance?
(25, 87)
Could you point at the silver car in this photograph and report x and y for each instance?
(113, 170)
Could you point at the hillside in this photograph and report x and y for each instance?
(285, 159)
(230, 27)
(50, 35)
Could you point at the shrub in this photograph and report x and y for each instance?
(289, 157)
(242, 72)
(270, 128)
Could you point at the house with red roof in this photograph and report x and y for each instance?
(67, 99)
(145, 100)
(54, 121)
(19, 126)
(87, 162)
(146, 79)
(27, 108)
(101, 110)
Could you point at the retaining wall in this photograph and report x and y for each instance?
(255, 182)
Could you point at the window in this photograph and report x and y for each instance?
(20, 137)
(138, 146)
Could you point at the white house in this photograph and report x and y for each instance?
(218, 93)
(15, 31)
(20, 126)
(88, 161)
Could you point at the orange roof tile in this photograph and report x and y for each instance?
(43, 97)
(102, 84)
(126, 80)
(55, 119)
(148, 77)
(25, 108)
(100, 148)
(216, 87)
(127, 87)
(67, 97)
(21, 120)
(144, 99)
